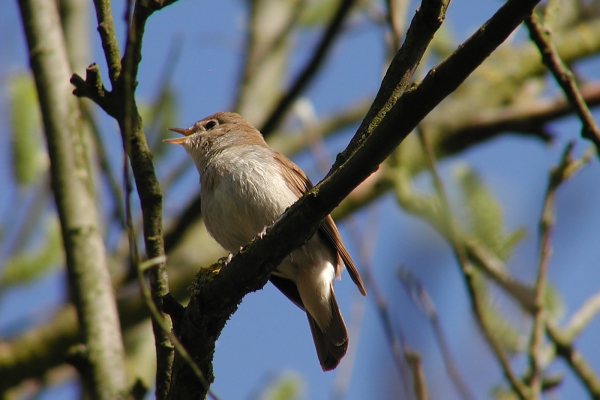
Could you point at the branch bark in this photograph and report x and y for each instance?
(564, 77)
(120, 104)
(89, 279)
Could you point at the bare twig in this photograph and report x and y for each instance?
(468, 273)
(89, 278)
(424, 302)
(120, 104)
(558, 175)
(308, 72)
(148, 187)
(565, 79)
(579, 365)
(582, 317)
(108, 37)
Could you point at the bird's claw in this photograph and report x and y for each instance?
(225, 260)
(262, 233)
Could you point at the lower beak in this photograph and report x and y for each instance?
(179, 140)
(185, 132)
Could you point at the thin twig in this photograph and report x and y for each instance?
(546, 229)
(391, 20)
(582, 317)
(564, 78)
(566, 168)
(108, 38)
(421, 298)
(467, 270)
(578, 364)
(147, 184)
(147, 265)
(308, 72)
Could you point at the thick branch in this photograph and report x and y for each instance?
(398, 77)
(89, 278)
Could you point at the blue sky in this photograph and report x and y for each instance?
(268, 335)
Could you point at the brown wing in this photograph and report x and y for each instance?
(300, 184)
(331, 232)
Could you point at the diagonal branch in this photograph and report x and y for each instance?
(565, 79)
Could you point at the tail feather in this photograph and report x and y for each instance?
(332, 342)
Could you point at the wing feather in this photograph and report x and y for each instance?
(300, 184)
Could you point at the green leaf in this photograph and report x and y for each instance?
(28, 157)
(506, 333)
(553, 302)
(25, 267)
(287, 386)
(484, 215)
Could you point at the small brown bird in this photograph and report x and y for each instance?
(246, 186)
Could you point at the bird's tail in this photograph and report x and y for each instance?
(332, 342)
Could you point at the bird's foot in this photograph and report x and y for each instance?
(223, 261)
(262, 233)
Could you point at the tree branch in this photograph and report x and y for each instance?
(565, 79)
(88, 274)
(120, 103)
(305, 77)
(106, 29)
(35, 352)
(578, 364)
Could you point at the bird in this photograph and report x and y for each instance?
(245, 186)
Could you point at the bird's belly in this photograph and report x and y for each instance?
(236, 210)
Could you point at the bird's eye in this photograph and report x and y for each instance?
(210, 124)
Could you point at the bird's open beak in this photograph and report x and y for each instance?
(185, 132)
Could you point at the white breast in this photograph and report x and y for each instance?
(242, 192)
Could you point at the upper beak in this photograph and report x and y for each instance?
(186, 132)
